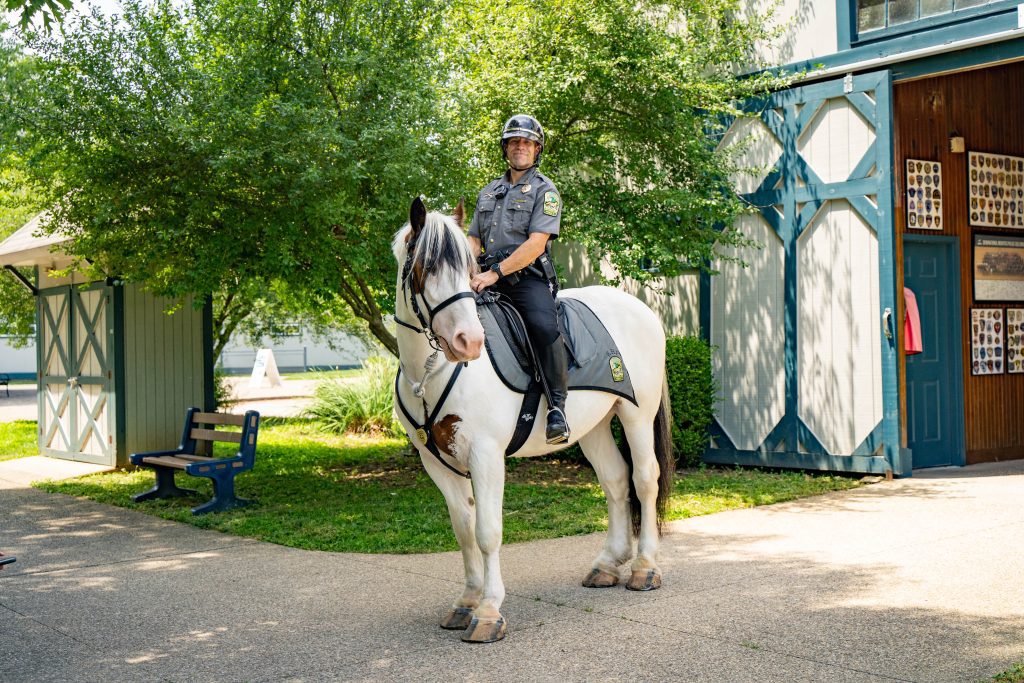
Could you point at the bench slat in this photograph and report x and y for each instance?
(214, 435)
(218, 419)
(168, 461)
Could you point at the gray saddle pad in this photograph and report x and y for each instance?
(595, 363)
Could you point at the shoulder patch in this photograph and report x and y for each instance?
(551, 203)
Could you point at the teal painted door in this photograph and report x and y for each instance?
(76, 374)
(934, 382)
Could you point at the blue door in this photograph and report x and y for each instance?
(935, 417)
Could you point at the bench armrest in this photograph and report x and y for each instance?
(200, 468)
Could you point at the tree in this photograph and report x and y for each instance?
(240, 146)
(49, 11)
(633, 95)
(18, 201)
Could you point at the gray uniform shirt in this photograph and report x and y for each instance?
(531, 205)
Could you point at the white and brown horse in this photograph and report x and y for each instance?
(461, 417)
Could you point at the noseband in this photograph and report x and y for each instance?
(426, 322)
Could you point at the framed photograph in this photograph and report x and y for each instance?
(998, 266)
(1015, 340)
(924, 195)
(987, 350)
(995, 190)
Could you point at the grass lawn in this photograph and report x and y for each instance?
(18, 439)
(365, 494)
(1015, 674)
(324, 374)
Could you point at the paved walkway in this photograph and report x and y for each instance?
(913, 580)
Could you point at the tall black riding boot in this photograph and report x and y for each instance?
(555, 366)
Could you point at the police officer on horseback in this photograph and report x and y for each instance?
(517, 216)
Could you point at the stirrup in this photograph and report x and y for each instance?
(560, 436)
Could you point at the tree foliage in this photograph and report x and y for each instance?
(269, 148)
(632, 96)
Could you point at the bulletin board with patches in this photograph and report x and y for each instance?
(988, 355)
(995, 190)
(924, 195)
(1015, 340)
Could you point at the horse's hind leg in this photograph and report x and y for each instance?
(602, 452)
(639, 431)
(458, 494)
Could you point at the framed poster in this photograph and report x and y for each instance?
(1015, 340)
(998, 267)
(995, 190)
(924, 195)
(987, 353)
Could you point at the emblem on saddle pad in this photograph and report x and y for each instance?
(615, 363)
(421, 434)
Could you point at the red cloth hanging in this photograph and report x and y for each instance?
(911, 324)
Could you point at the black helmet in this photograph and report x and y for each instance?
(523, 126)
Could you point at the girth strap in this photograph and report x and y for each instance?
(424, 432)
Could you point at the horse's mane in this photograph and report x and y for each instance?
(441, 248)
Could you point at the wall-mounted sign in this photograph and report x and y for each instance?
(924, 195)
(1015, 340)
(995, 190)
(998, 267)
(987, 351)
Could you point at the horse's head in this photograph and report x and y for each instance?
(435, 264)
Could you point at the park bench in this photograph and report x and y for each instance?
(5, 382)
(222, 471)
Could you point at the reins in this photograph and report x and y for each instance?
(424, 432)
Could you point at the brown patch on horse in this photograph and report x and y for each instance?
(444, 433)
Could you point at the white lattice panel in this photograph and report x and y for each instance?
(838, 349)
(836, 140)
(91, 404)
(747, 327)
(754, 148)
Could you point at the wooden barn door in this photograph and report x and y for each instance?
(805, 357)
(76, 374)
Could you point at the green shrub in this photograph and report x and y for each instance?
(692, 390)
(223, 392)
(364, 404)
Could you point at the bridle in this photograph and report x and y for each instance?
(426, 326)
(424, 431)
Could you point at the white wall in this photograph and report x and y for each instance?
(17, 361)
(295, 352)
(810, 31)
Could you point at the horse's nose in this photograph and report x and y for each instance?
(467, 345)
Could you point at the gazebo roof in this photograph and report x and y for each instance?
(25, 248)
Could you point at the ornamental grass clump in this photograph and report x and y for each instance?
(362, 405)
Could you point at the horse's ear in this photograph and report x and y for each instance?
(417, 216)
(460, 212)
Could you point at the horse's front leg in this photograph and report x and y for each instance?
(458, 494)
(487, 463)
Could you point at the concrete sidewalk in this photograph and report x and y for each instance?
(918, 580)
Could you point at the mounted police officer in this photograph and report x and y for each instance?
(516, 218)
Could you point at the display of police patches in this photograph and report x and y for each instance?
(551, 203)
(615, 363)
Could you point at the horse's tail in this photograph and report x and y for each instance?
(666, 462)
(663, 451)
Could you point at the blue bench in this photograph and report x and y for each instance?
(5, 382)
(222, 471)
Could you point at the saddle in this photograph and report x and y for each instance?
(595, 363)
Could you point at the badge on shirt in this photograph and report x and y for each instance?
(551, 203)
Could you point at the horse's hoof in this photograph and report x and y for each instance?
(484, 630)
(644, 580)
(457, 619)
(598, 578)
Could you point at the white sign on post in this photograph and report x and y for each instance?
(265, 366)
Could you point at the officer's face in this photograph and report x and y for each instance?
(522, 152)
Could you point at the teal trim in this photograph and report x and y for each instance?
(845, 26)
(894, 46)
(913, 28)
(793, 460)
(118, 397)
(1007, 50)
(209, 395)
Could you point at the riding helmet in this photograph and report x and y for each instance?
(523, 126)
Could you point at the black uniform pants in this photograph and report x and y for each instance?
(534, 301)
